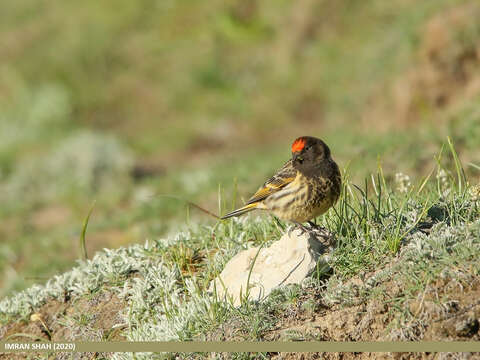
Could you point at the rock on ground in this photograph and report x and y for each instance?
(255, 272)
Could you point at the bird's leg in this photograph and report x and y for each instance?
(301, 227)
(314, 226)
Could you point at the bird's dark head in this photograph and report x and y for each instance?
(308, 152)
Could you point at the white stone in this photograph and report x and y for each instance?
(287, 261)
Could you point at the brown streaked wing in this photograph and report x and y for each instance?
(282, 177)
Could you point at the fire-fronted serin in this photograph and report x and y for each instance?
(304, 188)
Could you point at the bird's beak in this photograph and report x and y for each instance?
(297, 157)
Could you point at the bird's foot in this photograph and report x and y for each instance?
(302, 228)
(314, 226)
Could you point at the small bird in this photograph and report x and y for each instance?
(305, 187)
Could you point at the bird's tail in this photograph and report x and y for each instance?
(240, 211)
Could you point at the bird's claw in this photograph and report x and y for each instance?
(314, 227)
(302, 228)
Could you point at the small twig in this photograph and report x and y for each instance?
(191, 204)
(202, 209)
(291, 271)
(421, 302)
(458, 313)
(474, 166)
(38, 318)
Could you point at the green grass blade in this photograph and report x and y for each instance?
(83, 246)
(461, 178)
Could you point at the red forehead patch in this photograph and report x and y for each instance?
(298, 145)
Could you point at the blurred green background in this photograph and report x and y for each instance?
(129, 103)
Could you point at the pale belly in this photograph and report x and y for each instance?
(302, 214)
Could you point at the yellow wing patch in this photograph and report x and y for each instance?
(271, 187)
